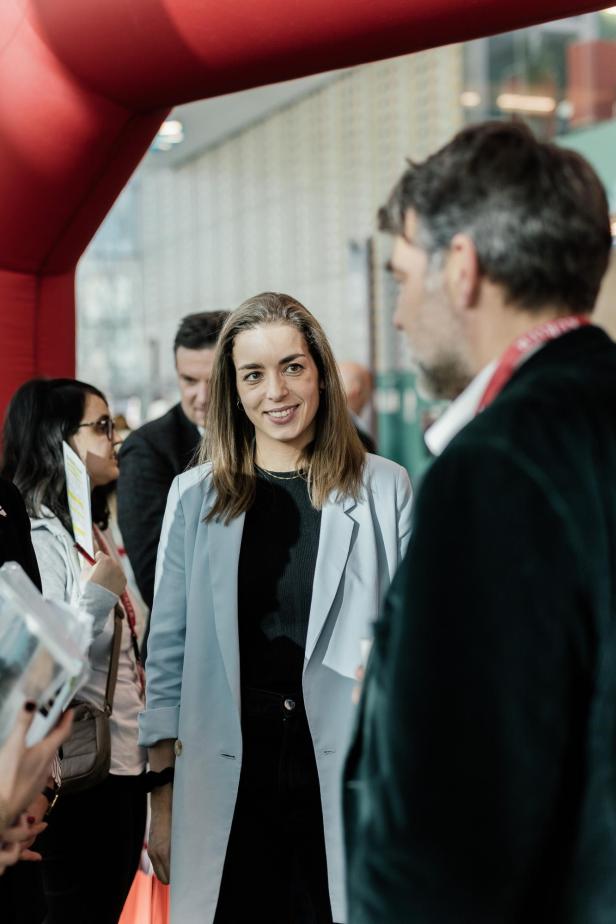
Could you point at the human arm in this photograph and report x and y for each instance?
(99, 586)
(21, 549)
(160, 756)
(143, 485)
(467, 723)
(159, 723)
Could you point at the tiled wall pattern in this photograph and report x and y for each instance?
(289, 203)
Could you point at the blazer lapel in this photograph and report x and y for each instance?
(224, 543)
(334, 545)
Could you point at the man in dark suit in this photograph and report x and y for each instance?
(481, 787)
(154, 454)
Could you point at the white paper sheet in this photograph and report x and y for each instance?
(78, 490)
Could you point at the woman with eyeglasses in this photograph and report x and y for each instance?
(92, 846)
(274, 556)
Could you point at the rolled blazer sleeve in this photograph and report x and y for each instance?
(168, 630)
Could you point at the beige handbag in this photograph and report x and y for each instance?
(86, 755)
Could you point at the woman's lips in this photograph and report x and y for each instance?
(282, 415)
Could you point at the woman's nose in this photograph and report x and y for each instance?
(276, 388)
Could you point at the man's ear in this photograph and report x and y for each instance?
(462, 272)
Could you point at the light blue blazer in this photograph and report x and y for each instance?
(193, 665)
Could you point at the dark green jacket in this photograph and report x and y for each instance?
(481, 787)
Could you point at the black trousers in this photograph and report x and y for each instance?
(91, 851)
(275, 868)
(22, 900)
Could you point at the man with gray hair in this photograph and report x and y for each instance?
(481, 787)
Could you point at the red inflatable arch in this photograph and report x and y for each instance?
(84, 87)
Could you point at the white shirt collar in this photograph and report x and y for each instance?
(459, 413)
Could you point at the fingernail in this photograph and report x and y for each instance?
(29, 706)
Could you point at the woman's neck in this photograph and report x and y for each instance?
(278, 458)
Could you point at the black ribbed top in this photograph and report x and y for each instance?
(276, 571)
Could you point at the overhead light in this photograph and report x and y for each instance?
(470, 99)
(522, 102)
(170, 133)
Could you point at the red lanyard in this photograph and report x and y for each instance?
(520, 348)
(130, 613)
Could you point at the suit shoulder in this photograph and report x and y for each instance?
(379, 470)
(199, 475)
(152, 431)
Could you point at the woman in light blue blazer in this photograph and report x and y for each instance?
(274, 558)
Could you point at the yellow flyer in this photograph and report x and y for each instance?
(78, 490)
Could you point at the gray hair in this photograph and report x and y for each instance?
(537, 214)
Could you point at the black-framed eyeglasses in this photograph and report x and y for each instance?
(104, 425)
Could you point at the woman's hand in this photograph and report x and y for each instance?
(12, 841)
(24, 771)
(36, 813)
(107, 573)
(159, 838)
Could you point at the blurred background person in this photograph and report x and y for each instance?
(21, 889)
(84, 879)
(154, 454)
(274, 556)
(358, 384)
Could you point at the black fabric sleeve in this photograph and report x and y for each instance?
(16, 541)
(473, 704)
(143, 486)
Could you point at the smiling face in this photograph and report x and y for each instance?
(278, 386)
(425, 312)
(92, 444)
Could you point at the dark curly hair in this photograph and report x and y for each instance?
(42, 414)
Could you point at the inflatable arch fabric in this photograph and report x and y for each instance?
(84, 87)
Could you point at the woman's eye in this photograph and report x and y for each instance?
(294, 368)
(251, 377)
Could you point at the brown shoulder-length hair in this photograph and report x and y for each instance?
(334, 461)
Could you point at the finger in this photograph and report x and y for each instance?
(60, 732)
(30, 856)
(161, 869)
(9, 854)
(22, 724)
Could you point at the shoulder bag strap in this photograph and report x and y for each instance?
(114, 660)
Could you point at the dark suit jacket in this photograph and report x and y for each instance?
(481, 788)
(15, 540)
(150, 458)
